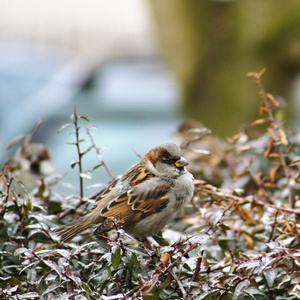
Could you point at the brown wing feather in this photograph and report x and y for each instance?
(132, 206)
(137, 174)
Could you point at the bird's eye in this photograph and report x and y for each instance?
(168, 160)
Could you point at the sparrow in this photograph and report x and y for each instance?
(143, 200)
(29, 164)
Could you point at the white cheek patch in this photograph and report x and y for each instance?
(150, 167)
(47, 167)
(25, 164)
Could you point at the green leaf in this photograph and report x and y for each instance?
(270, 276)
(162, 287)
(87, 150)
(28, 266)
(160, 240)
(30, 295)
(97, 166)
(73, 164)
(31, 276)
(84, 118)
(53, 266)
(225, 296)
(135, 261)
(87, 288)
(116, 258)
(20, 251)
(239, 289)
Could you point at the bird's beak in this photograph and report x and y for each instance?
(182, 162)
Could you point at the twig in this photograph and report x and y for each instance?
(170, 266)
(267, 107)
(100, 158)
(230, 197)
(75, 122)
(184, 293)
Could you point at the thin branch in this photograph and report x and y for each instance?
(77, 128)
(100, 158)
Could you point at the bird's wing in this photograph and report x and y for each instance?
(147, 194)
(134, 176)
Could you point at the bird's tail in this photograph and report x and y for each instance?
(69, 231)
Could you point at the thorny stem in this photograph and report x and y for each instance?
(79, 154)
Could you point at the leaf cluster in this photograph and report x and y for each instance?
(237, 239)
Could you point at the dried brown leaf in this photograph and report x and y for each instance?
(193, 202)
(283, 137)
(232, 267)
(199, 182)
(244, 256)
(270, 148)
(245, 148)
(284, 280)
(288, 226)
(280, 237)
(236, 137)
(164, 259)
(256, 75)
(271, 133)
(273, 173)
(251, 74)
(288, 151)
(249, 241)
(270, 185)
(210, 187)
(298, 178)
(245, 214)
(205, 262)
(259, 122)
(260, 211)
(228, 257)
(294, 290)
(257, 177)
(274, 155)
(254, 283)
(273, 100)
(296, 279)
(237, 177)
(294, 163)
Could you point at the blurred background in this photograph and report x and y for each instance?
(138, 68)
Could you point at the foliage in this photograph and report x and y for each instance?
(238, 239)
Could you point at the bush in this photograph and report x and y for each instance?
(237, 239)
